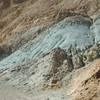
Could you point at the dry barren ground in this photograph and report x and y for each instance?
(12, 93)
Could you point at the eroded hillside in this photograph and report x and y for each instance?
(50, 49)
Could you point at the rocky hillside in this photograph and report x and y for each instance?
(50, 49)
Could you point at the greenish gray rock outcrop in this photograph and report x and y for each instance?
(70, 31)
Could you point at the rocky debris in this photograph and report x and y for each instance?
(61, 65)
(87, 80)
(58, 65)
(51, 45)
(55, 66)
(78, 61)
(81, 57)
(93, 53)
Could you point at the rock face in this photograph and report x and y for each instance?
(54, 66)
(51, 47)
(64, 34)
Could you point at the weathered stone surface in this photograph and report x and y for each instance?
(55, 66)
(48, 48)
(64, 34)
(96, 30)
(78, 61)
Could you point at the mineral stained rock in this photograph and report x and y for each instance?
(50, 49)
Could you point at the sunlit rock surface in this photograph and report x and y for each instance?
(72, 31)
(49, 49)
